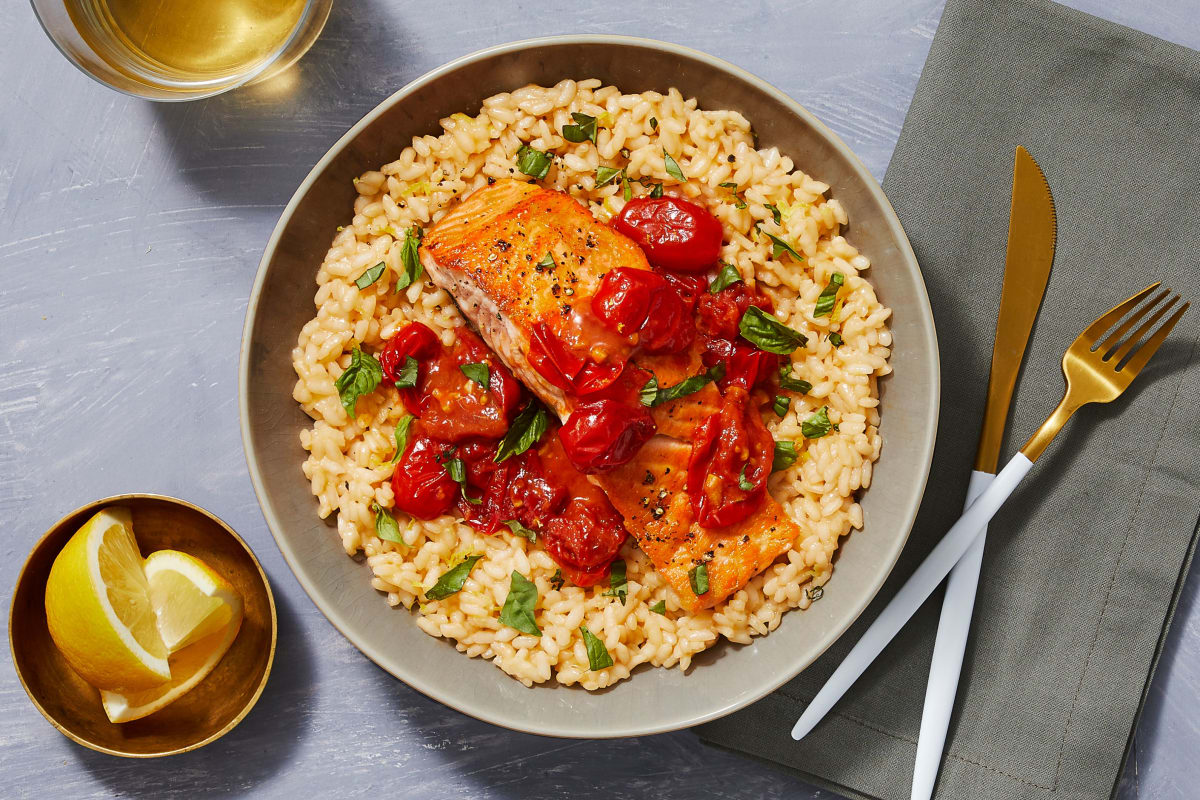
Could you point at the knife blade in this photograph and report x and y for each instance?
(1032, 235)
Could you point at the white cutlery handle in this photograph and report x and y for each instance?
(914, 593)
(953, 629)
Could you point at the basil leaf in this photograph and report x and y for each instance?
(743, 484)
(453, 579)
(785, 456)
(673, 167)
(775, 213)
(732, 185)
(728, 276)
(698, 576)
(477, 372)
(526, 429)
(557, 580)
(547, 262)
(786, 381)
(766, 332)
(361, 377)
(738, 201)
(533, 163)
(401, 434)
(370, 276)
(782, 403)
(598, 657)
(817, 425)
(653, 124)
(836, 340)
(828, 296)
(457, 469)
(660, 607)
(626, 189)
(656, 190)
(386, 526)
(520, 605)
(407, 377)
(410, 258)
(520, 530)
(584, 129)
(779, 247)
(617, 582)
(815, 593)
(651, 395)
(606, 175)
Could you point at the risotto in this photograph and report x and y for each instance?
(761, 200)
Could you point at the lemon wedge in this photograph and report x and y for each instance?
(98, 607)
(199, 614)
(191, 600)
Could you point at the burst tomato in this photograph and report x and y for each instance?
(745, 366)
(603, 434)
(719, 314)
(731, 460)
(676, 234)
(647, 308)
(421, 484)
(416, 340)
(566, 369)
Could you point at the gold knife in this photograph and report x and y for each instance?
(1032, 231)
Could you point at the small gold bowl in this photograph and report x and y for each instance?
(207, 712)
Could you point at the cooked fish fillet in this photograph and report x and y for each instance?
(490, 253)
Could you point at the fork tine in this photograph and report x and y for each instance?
(1110, 341)
(1128, 345)
(1147, 350)
(1093, 331)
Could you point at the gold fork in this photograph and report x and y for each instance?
(1098, 368)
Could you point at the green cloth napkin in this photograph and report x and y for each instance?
(1084, 563)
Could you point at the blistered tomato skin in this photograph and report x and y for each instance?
(420, 483)
(455, 408)
(745, 365)
(563, 368)
(603, 434)
(719, 314)
(730, 446)
(648, 309)
(676, 234)
(414, 339)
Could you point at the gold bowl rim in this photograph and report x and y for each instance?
(117, 498)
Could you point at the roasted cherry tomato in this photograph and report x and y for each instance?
(416, 340)
(676, 234)
(454, 407)
(566, 369)
(745, 365)
(421, 484)
(690, 287)
(584, 538)
(603, 434)
(719, 314)
(732, 449)
(646, 308)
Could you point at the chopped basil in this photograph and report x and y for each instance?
(626, 189)
(520, 605)
(828, 296)
(817, 425)
(775, 213)
(673, 167)
(653, 124)
(786, 381)
(785, 456)
(766, 332)
(598, 657)
(617, 583)
(526, 429)
(660, 607)
(584, 129)
(453, 579)
(606, 175)
(656, 190)
(407, 377)
(835, 339)
(782, 403)
(361, 377)
(457, 469)
(729, 185)
(410, 258)
(728, 276)
(651, 395)
(779, 247)
(743, 484)
(547, 261)
(738, 201)
(401, 434)
(533, 163)
(557, 580)
(477, 372)
(698, 575)
(520, 530)
(815, 593)
(386, 526)
(370, 276)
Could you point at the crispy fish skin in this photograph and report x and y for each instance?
(490, 253)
